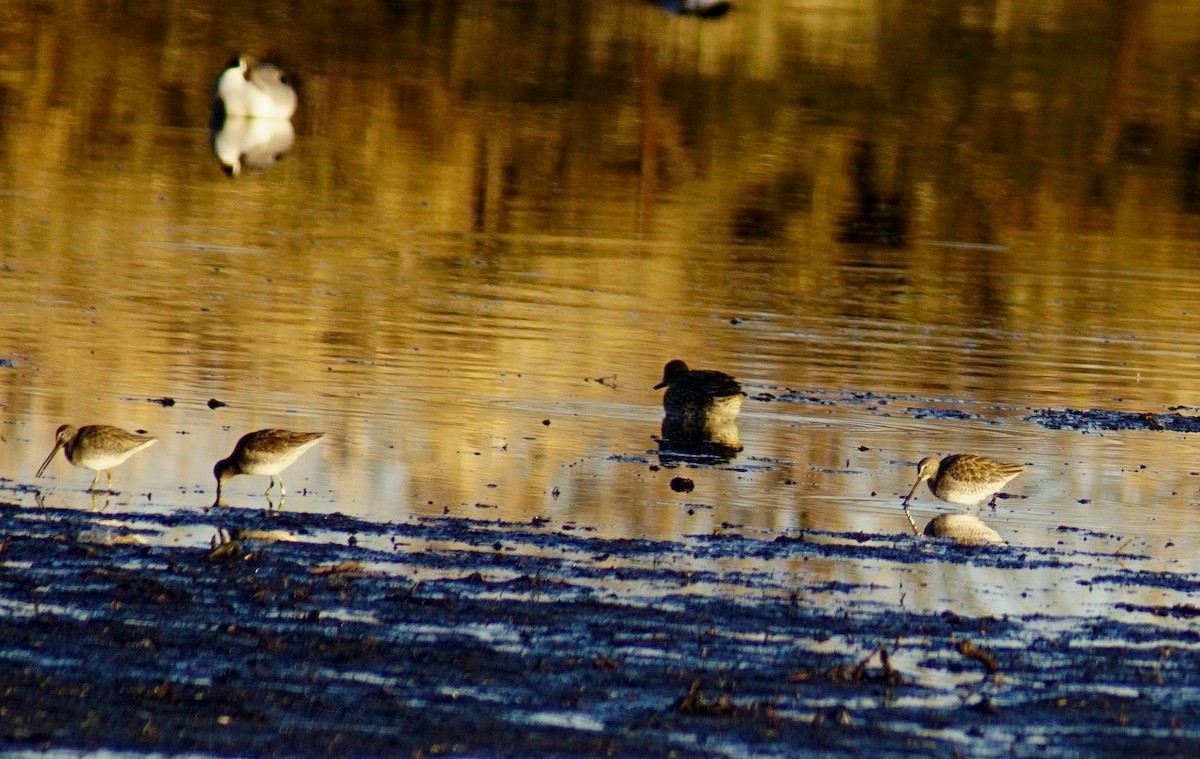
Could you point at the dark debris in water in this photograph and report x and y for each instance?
(870, 400)
(682, 485)
(941, 413)
(559, 644)
(1101, 419)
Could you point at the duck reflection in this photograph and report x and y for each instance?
(698, 438)
(964, 528)
(700, 411)
(242, 142)
(251, 121)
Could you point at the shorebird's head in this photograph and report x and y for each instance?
(62, 436)
(223, 470)
(927, 469)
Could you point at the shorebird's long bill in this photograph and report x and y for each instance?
(908, 497)
(49, 458)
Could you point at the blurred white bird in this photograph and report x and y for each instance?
(260, 92)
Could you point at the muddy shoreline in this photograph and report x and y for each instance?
(528, 639)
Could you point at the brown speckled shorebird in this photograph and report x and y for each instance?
(265, 452)
(96, 446)
(964, 478)
(699, 392)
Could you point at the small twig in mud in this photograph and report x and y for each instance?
(345, 567)
(695, 703)
(609, 380)
(970, 651)
(845, 673)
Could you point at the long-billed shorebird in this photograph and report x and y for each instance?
(96, 446)
(964, 478)
(699, 392)
(265, 452)
(261, 91)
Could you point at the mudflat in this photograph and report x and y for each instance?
(313, 635)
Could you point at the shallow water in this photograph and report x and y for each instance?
(474, 261)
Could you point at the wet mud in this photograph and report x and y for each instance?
(1101, 419)
(314, 635)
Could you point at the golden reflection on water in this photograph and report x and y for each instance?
(487, 208)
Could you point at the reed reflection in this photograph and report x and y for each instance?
(701, 8)
(877, 216)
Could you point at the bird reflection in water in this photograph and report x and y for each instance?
(252, 113)
(236, 542)
(964, 528)
(698, 440)
(242, 143)
(700, 411)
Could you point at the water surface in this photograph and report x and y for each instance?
(497, 222)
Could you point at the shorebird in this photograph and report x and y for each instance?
(265, 452)
(96, 446)
(699, 392)
(261, 91)
(964, 478)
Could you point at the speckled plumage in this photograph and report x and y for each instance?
(963, 478)
(265, 452)
(699, 392)
(98, 447)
